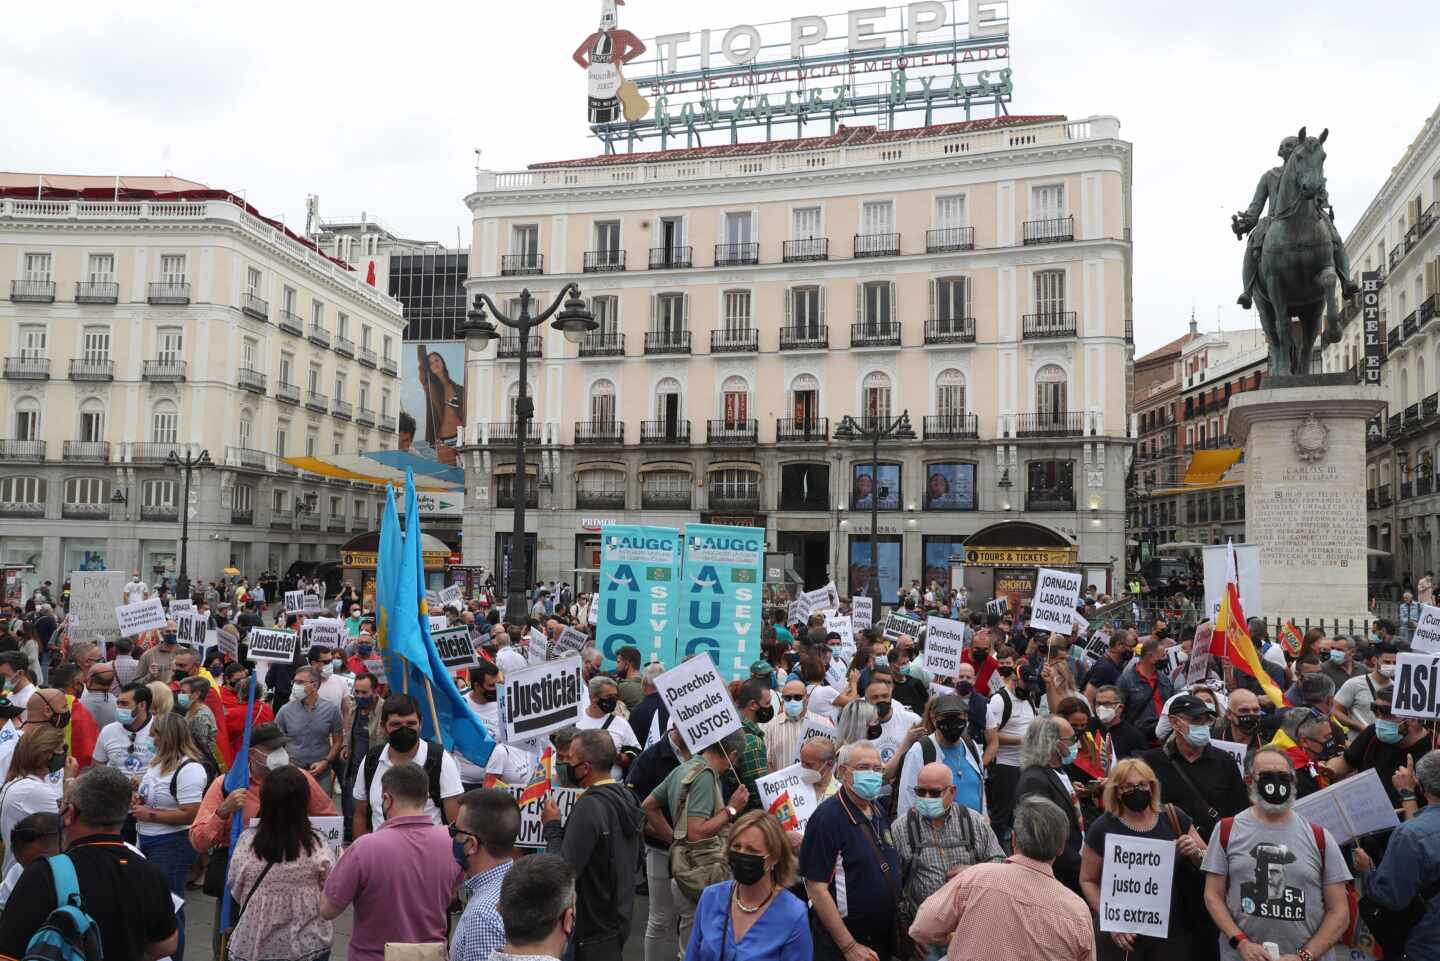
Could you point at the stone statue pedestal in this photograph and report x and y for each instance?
(1305, 495)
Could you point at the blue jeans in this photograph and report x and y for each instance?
(173, 855)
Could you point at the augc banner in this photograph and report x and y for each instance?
(720, 596)
(639, 577)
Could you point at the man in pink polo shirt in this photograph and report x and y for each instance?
(400, 878)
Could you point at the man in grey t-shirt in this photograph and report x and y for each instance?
(314, 726)
(1270, 880)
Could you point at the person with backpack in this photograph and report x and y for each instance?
(1406, 886)
(1007, 718)
(937, 838)
(165, 804)
(32, 783)
(400, 720)
(98, 899)
(949, 744)
(1272, 876)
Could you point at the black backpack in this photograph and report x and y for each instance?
(434, 755)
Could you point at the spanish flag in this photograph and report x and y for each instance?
(539, 785)
(1232, 642)
(1290, 639)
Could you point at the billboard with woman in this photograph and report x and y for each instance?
(950, 487)
(433, 399)
(885, 492)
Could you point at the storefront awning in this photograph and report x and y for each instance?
(384, 467)
(1208, 466)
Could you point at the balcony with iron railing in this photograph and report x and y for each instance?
(599, 432)
(24, 451)
(508, 346)
(1409, 325)
(307, 520)
(802, 430)
(1396, 254)
(248, 458)
(875, 334)
(950, 330)
(745, 341)
(877, 245)
(253, 306)
(1430, 406)
(32, 291)
(1424, 485)
(732, 433)
(665, 500)
(1393, 339)
(946, 239)
(344, 346)
(667, 342)
(662, 432)
(335, 525)
(86, 451)
(290, 322)
(1057, 424)
(174, 294)
(606, 344)
(599, 499)
(747, 501)
(243, 516)
(319, 335)
(1050, 324)
(811, 337)
(152, 452)
(1055, 230)
(390, 366)
(159, 512)
(1429, 307)
(287, 393)
(27, 367)
(250, 379)
(805, 251)
(521, 265)
(163, 371)
(282, 517)
(92, 368)
(1392, 426)
(502, 433)
(22, 508)
(365, 416)
(84, 511)
(1382, 495)
(1407, 490)
(952, 426)
(387, 423)
(603, 261)
(737, 255)
(1372, 499)
(1410, 422)
(366, 356)
(671, 258)
(97, 292)
(341, 409)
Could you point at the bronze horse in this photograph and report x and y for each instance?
(1297, 279)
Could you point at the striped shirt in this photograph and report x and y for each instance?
(782, 737)
(480, 930)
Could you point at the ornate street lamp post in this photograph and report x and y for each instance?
(875, 429)
(189, 462)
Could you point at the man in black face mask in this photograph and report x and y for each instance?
(600, 713)
(951, 744)
(1241, 723)
(400, 719)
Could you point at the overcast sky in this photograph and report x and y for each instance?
(380, 107)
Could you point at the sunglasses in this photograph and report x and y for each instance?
(456, 832)
(792, 697)
(929, 792)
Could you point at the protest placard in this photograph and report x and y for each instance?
(793, 613)
(1233, 748)
(455, 648)
(1417, 686)
(1098, 645)
(698, 701)
(1174, 657)
(785, 795)
(94, 595)
(541, 699)
(1218, 574)
(376, 667)
(997, 606)
(842, 624)
(898, 625)
(814, 727)
(532, 831)
(325, 631)
(819, 600)
(1426, 638)
(570, 641)
(1350, 808)
(944, 646)
(1056, 593)
(268, 644)
(862, 610)
(1079, 627)
(190, 629)
(1198, 667)
(834, 594)
(228, 643)
(438, 622)
(148, 615)
(453, 594)
(310, 604)
(181, 606)
(432, 600)
(294, 602)
(1135, 882)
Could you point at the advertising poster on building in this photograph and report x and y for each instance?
(719, 612)
(885, 492)
(432, 400)
(938, 551)
(950, 487)
(1016, 586)
(887, 575)
(639, 586)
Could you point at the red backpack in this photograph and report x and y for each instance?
(1352, 900)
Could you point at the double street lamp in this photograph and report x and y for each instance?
(875, 428)
(574, 320)
(188, 463)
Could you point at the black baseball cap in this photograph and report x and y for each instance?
(268, 736)
(949, 704)
(1191, 708)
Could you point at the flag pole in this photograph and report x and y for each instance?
(434, 714)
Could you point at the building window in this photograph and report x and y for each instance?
(280, 501)
(249, 353)
(384, 403)
(735, 402)
(339, 388)
(607, 315)
(735, 486)
(317, 314)
(366, 336)
(875, 305)
(525, 240)
(607, 238)
(87, 490)
(805, 223)
(950, 486)
(37, 268)
(22, 490)
(244, 502)
(950, 302)
(950, 211)
(737, 311)
(32, 342)
(171, 345)
(601, 489)
(312, 442)
(1050, 485)
(602, 403)
(92, 422)
(877, 217)
(287, 301)
(805, 487)
(342, 326)
(1049, 292)
(27, 419)
(158, 493)
(667, 405)
(875, 391)
(245, 428)
(866, 490)
(805, 399)
(738, 227)
(95, 347)
(282, 437)
(165, 423)
(950, 394)
(505, 491)
(172, 269)
(1047, 202)
(805, 310)
(252, 281)
(669, 316)
(1050, 400)
(102, 269)
(665, 490)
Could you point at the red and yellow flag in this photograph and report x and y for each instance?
(1232, 642)
(539, 785)
(1290, 639)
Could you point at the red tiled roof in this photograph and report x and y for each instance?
(843, 137)
(1171, 348)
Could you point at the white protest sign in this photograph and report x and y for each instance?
(841, 624)
(376, 667)
(94, 595)
(862, 609)
(899, 625)
(1174, 657)
(1426, 638)
(140, 617)
(592, 616)
(1417, 686)
(432, 599)
(532, 831)
(179, 606)
(786, 796)
(268, 644)
(834, 594)
(944, 646)
(228, 643)
(455, 648)
(1056, 593)
(190, 629)
(1233, 748)
(570, 641)
(837, 672)
(438, 622)
(793, 613)
(310, 604)
(1135, 883)
(814, 727)
(1078, 625)
(699, 702)
(330, 827)
(819, 600)
(325, 631)
(294, 602)
(1217, 574)
(1350, 808)
(451, 595)
(799, 610)
(541, 699)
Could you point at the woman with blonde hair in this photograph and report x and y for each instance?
(1133, 808)
(34, 783)
(162, 701)
(166, 803)
(753, 916)
(858, 722)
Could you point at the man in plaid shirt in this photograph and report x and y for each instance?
(484, 833)
(753, 703)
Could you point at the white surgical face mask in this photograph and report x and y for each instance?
(277, 759)
(1105, 713)
(808, 776)
(1387, 670)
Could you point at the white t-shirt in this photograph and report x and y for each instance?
(114, 748)
(155, 793)
(335, 689)
(1357, 697)
(893, 730)
(489, 716)
(509, 660)
(450, 785)
(9, 737)
(20, 799)
(22, 697)
(1021, 714)
(511, 765)
(619, 730)
(822, 702)
(135, 591)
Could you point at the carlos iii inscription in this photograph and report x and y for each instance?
(1304, 517)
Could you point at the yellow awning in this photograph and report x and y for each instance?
(1208, 466)
(314, 465)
